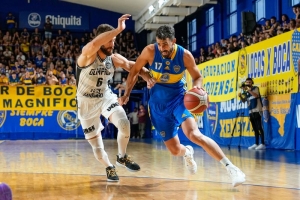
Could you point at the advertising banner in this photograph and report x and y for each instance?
(59, 20)
(220, 77)
(37, 97)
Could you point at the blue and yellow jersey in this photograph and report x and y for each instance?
(30, 70)
(169, 74)
(27, 81)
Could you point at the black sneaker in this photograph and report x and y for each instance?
(127, 163)
(111, 174)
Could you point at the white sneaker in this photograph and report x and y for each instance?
(236, 175)
(261, 147)
(252, 147)
(189, 160)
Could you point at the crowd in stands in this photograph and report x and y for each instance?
(270, 28)
(48, 56)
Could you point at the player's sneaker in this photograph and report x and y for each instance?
(252, 147)
(111, 174)
(127, 163)
(189, 160)
(236, 175)
(261, 147)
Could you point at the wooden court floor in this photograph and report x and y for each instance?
(67, 170)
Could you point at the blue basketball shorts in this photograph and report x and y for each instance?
(167, 117)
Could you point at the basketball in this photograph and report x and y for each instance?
(5, 192)
(196, 101)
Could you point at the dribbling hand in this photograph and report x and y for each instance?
(123, 100)
(199, 88)
(121, 22)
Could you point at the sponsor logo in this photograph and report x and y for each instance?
(99, 71)
(2, 117)
(65, 21)
(67, 119)
(242, 62)
(165, 77)
(89, 129)
(112, 106)
(295, 51)
(167, 68)
(34, 19)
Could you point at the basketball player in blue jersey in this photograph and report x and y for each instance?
(168, 62)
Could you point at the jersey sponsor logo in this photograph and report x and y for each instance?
(93, 95)
(99, 71)
(112, 106)
(68, 120)
(176, 68)
(34, 19)
(65, 21)
(167, 62)
(165, 77)
(89, 129)
(2, 117)
(183, 115)
(167, 68)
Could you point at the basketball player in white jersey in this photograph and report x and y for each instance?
(95, 67)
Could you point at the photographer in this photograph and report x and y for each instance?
(252, 96)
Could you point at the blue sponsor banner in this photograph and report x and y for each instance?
(60, 20)
(228, 122)
(36, 124)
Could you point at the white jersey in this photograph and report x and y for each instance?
(92, 80)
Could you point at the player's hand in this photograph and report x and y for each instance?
(199, 88)
(121, 22)
(123, 100)
(150, 83)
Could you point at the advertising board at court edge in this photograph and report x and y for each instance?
(65, 20)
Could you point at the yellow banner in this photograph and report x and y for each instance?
(220, 77)
(273, 64)
(37, 97)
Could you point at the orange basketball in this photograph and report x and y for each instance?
(196, 101)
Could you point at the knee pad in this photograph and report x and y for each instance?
(124, 127)
(99, 153)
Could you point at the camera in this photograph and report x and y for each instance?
(245, 85)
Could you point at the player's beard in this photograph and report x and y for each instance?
(106, 51)
(167, 55)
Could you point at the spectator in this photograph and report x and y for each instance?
(142, 114)
(134, 122)
(25, 35)
(40, 78)
(51, 79)
(63, 81)
(14, 79)
(48, 29)
(72, 80)
(3, 79)
(11, 23)
(27, 79)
